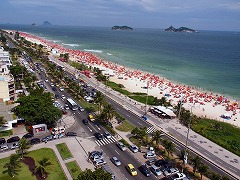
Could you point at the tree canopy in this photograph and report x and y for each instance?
(37, 108)
(98, 174)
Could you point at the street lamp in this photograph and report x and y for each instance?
(146, 100)
(181, 100)
(185, 153)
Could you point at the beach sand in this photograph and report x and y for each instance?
(202, 104)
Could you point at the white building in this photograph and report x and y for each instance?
(5, 58)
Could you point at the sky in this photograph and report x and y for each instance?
(195, 14)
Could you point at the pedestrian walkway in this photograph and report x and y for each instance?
(106, 141)
(151, 130)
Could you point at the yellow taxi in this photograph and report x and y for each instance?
(131, 170)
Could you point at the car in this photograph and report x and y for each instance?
(2, 141)
(85, 121)
(64, 111)
(107, 135)
(133, 148)
(4, 147)
(130, 168)
(47, 138)
(52, 85)
(35, 141)
(63, 97)
(121, 146)
(61, 89)
(14, 145)
(46, 80)
(71, 134)
(56, 96)
(150, 154)
(178, 176)
(54, 88)
(66, 106)
(100, 162)
(13, 139)
(151, 161)
(144, 169)
(170, 171)
(116, 161)
(80, 108)
(96, 155)
(98, 136)
(160, 162)
(155, 170)
(165, 167)
(28, 135)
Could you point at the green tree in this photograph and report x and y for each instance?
(157, 137)
(99, 100)
(196, 161)
(23, 146)
(41, 168)
(169, 146)
(202, 169)
(98, 174)
(13, 166)
(109, 111)
(2, 121)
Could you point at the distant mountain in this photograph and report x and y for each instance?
(33, 24)
(181, 29)
(121, 28)
(46, 23)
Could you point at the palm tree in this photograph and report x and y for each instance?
(2, 121)
(109, 110)
(13, 167)
(100, 100)
(169, 146)
(157, 136)
(23, 146)
(42, 166)
(202, 169)
(196, 163)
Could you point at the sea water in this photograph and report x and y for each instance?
(209, 60)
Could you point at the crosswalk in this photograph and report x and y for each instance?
(105, 141)
(151, 130)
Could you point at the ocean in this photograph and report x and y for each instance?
(208, 60)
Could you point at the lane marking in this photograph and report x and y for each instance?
(89, 129)
(232, 169)
(117, 152)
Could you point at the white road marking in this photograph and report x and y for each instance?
(232, 169)
(117, 152)
(89, 129)
(140, 123)
(207, 154)
(218, 161)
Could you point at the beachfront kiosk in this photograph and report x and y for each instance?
(162, 112)
(39, 129)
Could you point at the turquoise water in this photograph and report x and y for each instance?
(209, 60)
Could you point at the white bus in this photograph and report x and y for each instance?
(72, 104)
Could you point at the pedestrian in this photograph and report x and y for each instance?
(46, 141)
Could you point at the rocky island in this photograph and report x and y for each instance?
(121, 28)
(181, 29)
(46, 23)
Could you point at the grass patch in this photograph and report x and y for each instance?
(64, 151)
(74, 169)
(55, 171)
(6, 133)
(125, 126)
(223, 134)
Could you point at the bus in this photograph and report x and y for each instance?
(72, 104)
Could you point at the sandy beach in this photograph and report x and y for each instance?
(203, 104)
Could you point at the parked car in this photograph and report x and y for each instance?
(14, 145)
(165, 167)
(151, 161)
(130, 168)
(71, 134)
(150, 154)
(56, 96)
(121, 146)
(63, 97)
(107, 135)
(80, 108)
(85, 121)
(133, 148)
(100, 162)
(54, 88)
(144, 169)
(178, 176)
(35, 141)
(61, 89)
(66, 106)
(98, 136)
(3, 147)
(116, 161)
(160, 162)
(155, 170)
(13, 139)
(2, 141)
(170, 171)
(47, 138)
(28, 135)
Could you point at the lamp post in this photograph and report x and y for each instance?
(185, 152)
(146, 100)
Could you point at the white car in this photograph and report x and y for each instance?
(178, 176)
(66, 106)
(133, 148)
(3, 148)
(107, 135)
(99, 162)
(121, 146)
(116, 161)
(155, 170)
(46, 80)
(63, 97)
(170, 171)
(61, 89)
